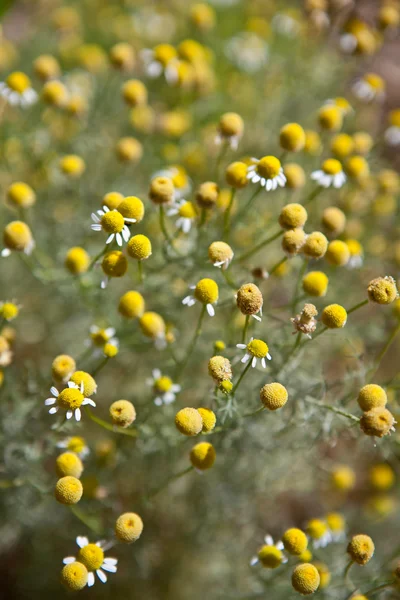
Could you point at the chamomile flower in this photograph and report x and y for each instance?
(113, 223)
(99, 336)
(319, 533)
(186, 212)
(255, 350)
(156, 60)
(370, 87)
(75, 444)
(330, 174)
(206, 292)
(270, 555)
(92, 557)
(17, 90)
(164, 387)
(70, 399)
(180, 179)
(268, 172)
(392, 134)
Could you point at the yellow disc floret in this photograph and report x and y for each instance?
(219, 368)
(295, 176)
(334, 316)
(273, 396)
(236, 175)
(162, 190)
(114, 264)
(92, 556)
(21, 194)
(128, 527)
(89, 384)
(68, 463)
(371, 396)
(207, 194)
(122, 413)
(295, 541)
(293, 241)
(68, 490)
(292, 137)
(315, 283)
(333, 220)
(134, 93)
(70, 398)
(152, 325)
(292, 216)
(62, 368)
(112, 200)
(330, 118)
(268, 167)
(206, 291)
(270, 556)
(139, 247)
(202, 456)
(249, 299)
(72, 165)
(381, 476)
(343, 478)
(209, 419)
(77, 260)
(74, 576)
(382, 290)
(377, 422)
(315, 245)
(189, 421)
(338, 253)
(361, 549)
(17, 236)
(131, 207)
(305, 579)
(131, 305)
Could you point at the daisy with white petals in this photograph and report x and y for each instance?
(164, 387)
(255, 350)
(92, 556)
(186, 212)
(70, 399)
(113, 223)
(330, 174)
(270, 555)
(17, 90)
(268, 172)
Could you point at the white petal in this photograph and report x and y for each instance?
(241, 346)
(110, 238)
(90, 580)
(5, 252)
(158, 401)
(95, 218)
(111, 561)
(53, 410)
(268, 540)
(263, 363)
(109, 568)
(269, 356)
(245, 358)
(129, 220)
(102, 576)
(82, 541)
(125, 233)
(95, 227)
(210, 310)
(68, 560)
(279, 545)
(54, 391)
(119, 239)
(78, 414)
(69, 414)
(256, 317)
(156, 373)
(254, 561)
(49, 401)
(254, 362)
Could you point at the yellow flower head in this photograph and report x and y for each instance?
(334, 316)
(361, 549)
(18, 82)
(131, 305)
(203, 16)
(20, 194)
(324, 574)
(202, 456)
(249, 299)
(268, 167)
(207, 194)
(122, 56)
(382, 290)
(189, 421)
(336, 522)
(129, 149)
(381, 476)
(69, 463)
(162, 190)
(316, 529)
(292, 137)
(371, 396)
(46, 67)
(236, 175)
(220, 254)
(114, 264)
(295, 176)
(112, 200)
(18, 237)
(342, 145)
(343, 478)
(363, 142)
(330, 118)
(273, 396)
(62, 368)
(357, 167)
(206, 291)
(89, 384)
(92, 556)
(315, 245)
(333, 220)
(131, 207)
(152, 325)
(209, 419)
(338, 253)
(270, 556)
(9, 310)
(293, 241)
(305, 579)
(313, 143)
(139, 247)
(68, 490)
(377, 422)
(77, 260)
(219, 368)
(134, 92)
(72, 165)
(231, 125)
(128, 527)
(122, 413)
(293, 216)
(295, 541)
(74, 576)
(55, 93)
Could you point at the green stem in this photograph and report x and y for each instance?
(96, 258)
(228, 279)
(320, 332)
(100, 366)
(379, 587)
(313, 195)
(140, 271)
(300, 276)
(383, 351)
(259, 246)
(170, 480)
(278, 264)
(254, 412)
(90, 522)
(193, 343)
(222, 153)
(357, 306)
(249, 204)
(109, 426)
(247, 367)
(338, 411)
(227, 215)
(245, 328)
(164, 230)
(347, 579)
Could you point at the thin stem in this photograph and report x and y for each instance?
(193, 343)
(300, 276)
(245, 328)
(249, 204)
(247, 367)
(259, 246)
(379, 587)
(278, 264)
(357, 306)
(140, 271)
(96, 258)
(221, 154)
(170, 480)
(338, 411)
(254, 412)
(100, 366)
(320, 332)
(108, 426)
(383, 351)
(228, 279)
(347, 579)
(90, 522)
(313, 195)
(164, 230)
(227, 215)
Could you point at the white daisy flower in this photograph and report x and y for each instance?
(370, 87)
(164, 387)
(17, 90)
(74, 444)
(99, 336)
(191, 301)
(255, 350)
(267, 172)
(113, 223)
(92, 556)
(71, 399)
(156, 60)
(186, 212)
(330, 174)
(392, 134)
(278, 556)
(180, 179)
